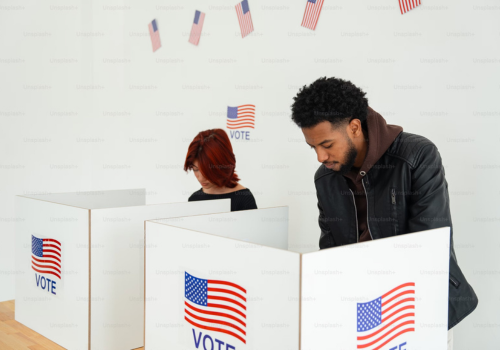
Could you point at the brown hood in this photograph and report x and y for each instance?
(380, 136)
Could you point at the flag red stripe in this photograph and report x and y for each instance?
(244, 20)
(239, 121)
(396, 304)
(221, 314)
(240, 127)
(46, 261)
(385, 335)
(395, 336)
(46, 267)
(364, 337)
(196, 30)
(411, 284)
(399, 310)
(306, 14)
(242, 117)
(303, 18)
(213, 297)
(250, 21)
(48, 245)
(245, 117)
(51, 240)
(239, 13)
(221, 290)
(227, 284)
(215, 329)
(317, 16)
(311, 14)
(51, 251)
(44, 271)
(220, 306)
(210, 320)
(251, 122)
(52, 256)
(246, 106)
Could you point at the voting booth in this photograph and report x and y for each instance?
(80, 258)
(228, 281)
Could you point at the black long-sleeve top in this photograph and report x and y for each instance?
(240, 200)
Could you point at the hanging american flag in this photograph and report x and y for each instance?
(407, 5)
(387, 317)
(217, 306)
(241, 117)
(194, 37)
(46, 256)
(244, 18)
(155, 35)
(311, 13)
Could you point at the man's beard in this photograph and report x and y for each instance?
(350, 158)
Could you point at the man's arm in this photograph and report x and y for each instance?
(430, 203)
(326, 237)
(430, 208)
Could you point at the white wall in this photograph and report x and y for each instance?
(86, 105)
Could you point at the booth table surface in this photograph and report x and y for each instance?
(15, 336)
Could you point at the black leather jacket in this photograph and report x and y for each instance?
(406, 192)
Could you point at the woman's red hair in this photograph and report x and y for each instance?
(215, 156)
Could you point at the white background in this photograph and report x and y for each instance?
(86, 105)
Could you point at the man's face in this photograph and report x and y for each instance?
(333, 147)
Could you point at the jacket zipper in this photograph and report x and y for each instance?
(356, 216)
(367, 224)
(393, 198)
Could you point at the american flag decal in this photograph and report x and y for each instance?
(154, 33)
(244, 18)
(387, 317)
(241, 117)
(217, 306)
(46, 256)
(194, 36)
(407, 5)
(311, 13)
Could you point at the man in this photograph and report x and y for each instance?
(374, 170)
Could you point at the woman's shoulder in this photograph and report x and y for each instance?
(243, 193)
(240, 187)
(241, 190)
(196, 195)
(244, 200)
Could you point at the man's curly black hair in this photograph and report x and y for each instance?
(329, 99)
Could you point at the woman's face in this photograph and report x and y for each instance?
(199, 176)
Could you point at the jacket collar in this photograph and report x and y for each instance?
(380, 137)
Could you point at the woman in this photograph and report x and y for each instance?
(210, 156)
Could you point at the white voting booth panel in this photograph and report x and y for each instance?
(268, 274)
(227, 281)
(81, 258)
(385, 294)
